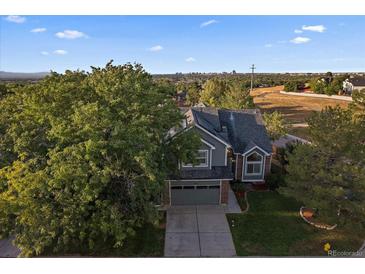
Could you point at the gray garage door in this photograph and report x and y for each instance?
(195, 194)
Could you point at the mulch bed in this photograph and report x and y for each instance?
(308, 215)
(260, 187)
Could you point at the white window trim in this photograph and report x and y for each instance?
(211, 158)
(254, 162)
(206, 158)
(210, 134)
(256, 147)
(236, 175)
(207, 143)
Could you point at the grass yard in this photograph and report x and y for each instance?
(273, 227)
(294, 108)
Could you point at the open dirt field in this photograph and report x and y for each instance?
(295, 109)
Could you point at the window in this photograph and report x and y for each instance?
(253, 164)
(202, 159)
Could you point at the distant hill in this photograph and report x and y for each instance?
(8, 76)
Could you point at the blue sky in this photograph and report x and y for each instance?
(169, 44)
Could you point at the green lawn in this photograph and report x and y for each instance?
(273, 227)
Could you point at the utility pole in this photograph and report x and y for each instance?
(252, 74)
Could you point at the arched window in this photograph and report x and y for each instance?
(254, 164)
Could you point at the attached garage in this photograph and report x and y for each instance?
(195, 192)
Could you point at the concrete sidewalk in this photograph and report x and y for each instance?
(198, 231)
(314, 95)
(7, 249)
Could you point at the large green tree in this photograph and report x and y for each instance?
(275, 125)
(237, 97)
(223, 94)
(84, 157)
(213, 92)
(193, 93)
(329, 174)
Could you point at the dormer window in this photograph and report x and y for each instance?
(254, 164)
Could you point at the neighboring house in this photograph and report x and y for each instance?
(354, 83)
(234, 146)
(284, 141)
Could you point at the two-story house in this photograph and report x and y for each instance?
(234, 146)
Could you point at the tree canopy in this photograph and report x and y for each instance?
(84, 157)
(222, 94)
(193, 93)
(329, 174)
(237, 97)
(275, 125)
(213, 92)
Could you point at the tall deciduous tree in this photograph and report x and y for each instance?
(275, 124)
(86, 157)
(222, 94)
(193, 93)
(237, 97)
(213, 92)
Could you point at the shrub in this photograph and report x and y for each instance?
(275, 180)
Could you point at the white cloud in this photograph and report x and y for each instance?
(60, 52)
(300, 40)
(44, 52)
(36, 30)
(156, 48)
(268, 46)
(71, 34)
(190, 59)
(207, 23)
(15, 19)
(316, 28)
(298, 31)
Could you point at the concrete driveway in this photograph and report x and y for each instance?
(198, 231)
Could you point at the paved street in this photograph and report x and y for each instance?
(7, 249)
(198, 231)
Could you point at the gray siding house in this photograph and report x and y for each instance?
(234, 146)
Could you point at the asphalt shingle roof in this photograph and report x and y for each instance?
(242, 129)
(357, 81)
(217, 172)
